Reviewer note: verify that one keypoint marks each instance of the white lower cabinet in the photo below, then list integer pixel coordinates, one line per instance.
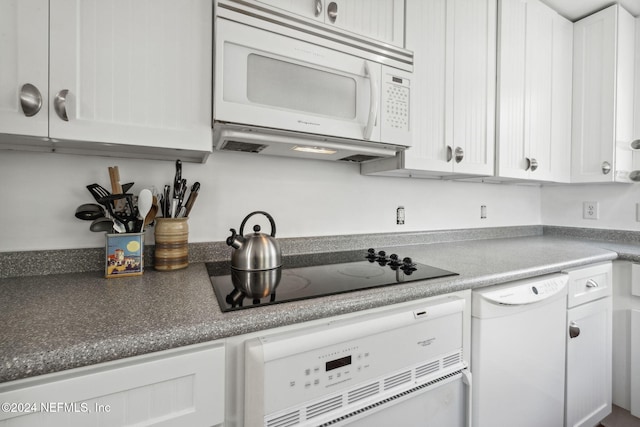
(178, 387)
(589, 346)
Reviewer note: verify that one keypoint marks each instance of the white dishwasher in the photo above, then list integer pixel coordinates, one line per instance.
(518, 353)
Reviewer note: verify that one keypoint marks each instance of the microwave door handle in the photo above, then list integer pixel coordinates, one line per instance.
(374, 102)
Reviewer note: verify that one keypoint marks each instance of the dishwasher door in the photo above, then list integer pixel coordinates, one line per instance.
(518, 353)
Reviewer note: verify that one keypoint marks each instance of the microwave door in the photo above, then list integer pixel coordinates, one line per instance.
(266, 79)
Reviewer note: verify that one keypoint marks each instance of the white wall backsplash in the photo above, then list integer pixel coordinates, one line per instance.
(562, 205)
(40, 192)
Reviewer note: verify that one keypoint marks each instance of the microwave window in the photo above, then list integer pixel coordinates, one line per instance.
(295, 87)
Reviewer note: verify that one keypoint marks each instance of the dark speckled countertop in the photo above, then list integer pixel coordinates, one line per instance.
(62, 321)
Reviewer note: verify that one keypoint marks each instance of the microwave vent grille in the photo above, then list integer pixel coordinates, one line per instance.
(245, 147)
(359, 158)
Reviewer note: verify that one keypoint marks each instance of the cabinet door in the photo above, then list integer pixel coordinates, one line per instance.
(132, 73)
(534, 136)
(594, 73)
(382, 20)
(512, 146)
(472, 46)
(180, 387)
(426, 25)
(24, 35)
(588, 388)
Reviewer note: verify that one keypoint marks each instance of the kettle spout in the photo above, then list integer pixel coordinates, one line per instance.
(235, 240)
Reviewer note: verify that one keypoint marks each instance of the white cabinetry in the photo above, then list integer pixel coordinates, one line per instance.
(603, 65)
(589, 346)
(124, 78)
(453, 109)
(177, 387)
(626, 336)
(382, 20)
(24, 72)
(534, 87)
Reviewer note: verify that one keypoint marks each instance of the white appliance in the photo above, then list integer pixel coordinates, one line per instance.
(508, 321)
(402, 364)
(284, 87)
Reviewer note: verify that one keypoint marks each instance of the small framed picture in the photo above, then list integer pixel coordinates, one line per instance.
(124, 255)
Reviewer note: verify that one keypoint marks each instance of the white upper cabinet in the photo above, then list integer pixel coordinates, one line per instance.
(24, 87)
(534, 87)
(382, 20)
(125, 77)
(603, 96)
(453, 109)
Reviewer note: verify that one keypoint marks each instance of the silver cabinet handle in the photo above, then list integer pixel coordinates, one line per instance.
(534, 165)
(459, 154)
(318, 8)
(449, 153)
(528, 160)
(574, 329)
(635, 145)
(592, 283)
(606, 168)
(59, 104)
(332, 11)
(30, 100)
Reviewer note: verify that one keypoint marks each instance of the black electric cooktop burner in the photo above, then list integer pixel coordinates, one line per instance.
(329, 275)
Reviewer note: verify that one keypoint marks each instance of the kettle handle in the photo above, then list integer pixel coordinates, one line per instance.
(271, 221)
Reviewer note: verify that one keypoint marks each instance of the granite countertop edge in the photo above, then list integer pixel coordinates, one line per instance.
(53, 356)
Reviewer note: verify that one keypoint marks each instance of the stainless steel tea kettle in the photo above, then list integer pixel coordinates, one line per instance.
(257, 251)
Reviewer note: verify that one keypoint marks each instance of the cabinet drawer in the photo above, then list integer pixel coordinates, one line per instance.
(589, 283)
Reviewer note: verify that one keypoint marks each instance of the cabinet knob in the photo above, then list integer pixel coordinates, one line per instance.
(318, 8)
(592, 283)
(60, 104)
(534, 165)
(574, 329)
(449, 153)
(30, 99)
(459, 154)
(606, 168)
(332, 11)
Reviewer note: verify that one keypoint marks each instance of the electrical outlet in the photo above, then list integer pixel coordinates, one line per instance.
(590, 210)
(483, 212)
(400, 215)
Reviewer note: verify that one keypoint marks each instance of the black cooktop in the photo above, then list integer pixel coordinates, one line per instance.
(328, 275)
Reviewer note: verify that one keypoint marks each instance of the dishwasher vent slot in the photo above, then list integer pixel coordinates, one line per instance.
(363, 392)
(286, 420)
(323, 407)
(427, 369)
(396, 380)
(451, 360)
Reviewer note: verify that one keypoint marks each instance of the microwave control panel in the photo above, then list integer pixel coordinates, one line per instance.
(396, 95)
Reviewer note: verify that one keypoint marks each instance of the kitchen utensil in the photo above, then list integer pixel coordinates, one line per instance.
(192, 198)
(126, 187)
(127, 216)
(89, 211)
(102, 224)
(255, 284)
(166, 202)
(116, 188)
(98, 192)
(257, 251)
(145, 201)
(153, 212)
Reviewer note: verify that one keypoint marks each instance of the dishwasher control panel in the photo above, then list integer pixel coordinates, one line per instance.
(526, 291)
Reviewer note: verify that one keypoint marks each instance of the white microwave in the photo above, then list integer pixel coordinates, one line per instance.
(284, 88)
